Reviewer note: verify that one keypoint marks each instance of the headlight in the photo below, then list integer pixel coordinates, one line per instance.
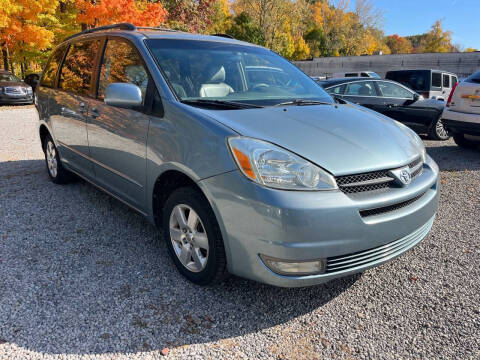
(29, 91)
(272, 166)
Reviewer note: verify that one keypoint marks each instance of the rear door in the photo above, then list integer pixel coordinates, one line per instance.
(69, 105)
(364, 93)
(118, 136)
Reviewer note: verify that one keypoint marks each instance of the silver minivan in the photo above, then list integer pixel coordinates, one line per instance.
(247, 165)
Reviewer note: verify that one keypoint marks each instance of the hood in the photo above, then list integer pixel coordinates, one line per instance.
(14, 83)
(343, 139)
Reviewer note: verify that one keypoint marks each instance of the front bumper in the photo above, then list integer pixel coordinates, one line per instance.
(16, 99)
(296, 225)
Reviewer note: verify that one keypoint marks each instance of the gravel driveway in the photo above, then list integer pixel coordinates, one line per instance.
(83, 276)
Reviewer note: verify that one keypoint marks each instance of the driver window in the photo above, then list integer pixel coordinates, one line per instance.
(392, 90)
(122, 64)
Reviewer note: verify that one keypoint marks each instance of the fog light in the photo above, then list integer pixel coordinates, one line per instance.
(294, 267)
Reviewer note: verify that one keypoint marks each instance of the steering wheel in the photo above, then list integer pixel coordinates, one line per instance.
(260, 86)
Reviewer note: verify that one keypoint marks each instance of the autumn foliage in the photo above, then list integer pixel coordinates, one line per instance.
(296, 29)
(116, 11)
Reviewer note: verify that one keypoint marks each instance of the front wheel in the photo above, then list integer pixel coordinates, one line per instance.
(193, 237)
(437, 131)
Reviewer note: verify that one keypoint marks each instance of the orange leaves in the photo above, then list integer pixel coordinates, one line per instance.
(106, 12)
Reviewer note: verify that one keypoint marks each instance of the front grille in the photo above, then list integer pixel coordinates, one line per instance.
(375, 180)
(389, 208)
(14, 90)
(373, 256)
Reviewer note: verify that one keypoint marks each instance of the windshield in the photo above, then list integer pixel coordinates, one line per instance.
(208, 70)
(8, 78)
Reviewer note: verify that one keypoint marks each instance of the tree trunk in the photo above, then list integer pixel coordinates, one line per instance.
(5, 59)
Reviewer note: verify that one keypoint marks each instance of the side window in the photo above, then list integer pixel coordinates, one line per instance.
(337, 90)
(454, 80)
(436, 80)
(446, 81)
(392, 90)
(351, 74)
(362, 88)
(50, 73)
(77, 69)
(122, 64)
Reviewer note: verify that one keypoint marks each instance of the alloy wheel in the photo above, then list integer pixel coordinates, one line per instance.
(440, 129)
(189, 238)
(51, 155)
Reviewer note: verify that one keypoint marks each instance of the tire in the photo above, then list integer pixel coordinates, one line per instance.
(437, 131)
(196, 247)
(465, 143)
(57, 173)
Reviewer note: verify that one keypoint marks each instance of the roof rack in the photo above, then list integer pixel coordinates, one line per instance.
(121, 26)
(156, 28)
(224, 36)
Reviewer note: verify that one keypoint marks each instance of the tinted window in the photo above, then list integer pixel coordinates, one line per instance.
(417, 80)
(475, 78)
(337, 90)
(122, 64)
(389, 89)
(351, 75)
(446, 80)
(454, 80)
(436, 79)
(50, 71)
(76, 73)
(363, 88)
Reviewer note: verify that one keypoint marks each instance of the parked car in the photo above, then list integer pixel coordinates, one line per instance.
(462, 113)
(275, 183)
(32, 80)
(369, 74)
(393, 100)
(431, 84)
(13, 90)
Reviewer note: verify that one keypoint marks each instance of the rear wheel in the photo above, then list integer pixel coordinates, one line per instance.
(437, 131)
(57, 173)
(193, 237)
(461, 141)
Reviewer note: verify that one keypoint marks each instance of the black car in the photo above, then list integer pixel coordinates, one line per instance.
(393, 100)
(13, 90)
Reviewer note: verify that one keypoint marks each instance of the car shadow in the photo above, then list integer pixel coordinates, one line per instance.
(451, 157)
(81, 273)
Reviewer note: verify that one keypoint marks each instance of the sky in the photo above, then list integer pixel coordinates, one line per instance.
(411, 17)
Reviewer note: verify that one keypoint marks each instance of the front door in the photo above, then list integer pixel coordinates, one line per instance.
(69, 105)
(118, 136)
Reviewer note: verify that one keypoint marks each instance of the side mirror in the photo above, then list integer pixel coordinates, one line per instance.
(123, 95)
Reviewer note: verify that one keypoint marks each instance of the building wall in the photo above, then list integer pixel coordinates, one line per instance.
(462, 64)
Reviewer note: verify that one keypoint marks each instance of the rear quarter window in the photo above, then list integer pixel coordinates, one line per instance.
(50, 72)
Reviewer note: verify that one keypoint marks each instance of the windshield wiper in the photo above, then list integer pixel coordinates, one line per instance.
(221, 104)
(303, 102)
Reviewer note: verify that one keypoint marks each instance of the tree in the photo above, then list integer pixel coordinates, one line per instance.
(23, 34)
(398, 44)
(436, 40)
(190, 15)
(469, 49)
(243, 28)
(104, 12)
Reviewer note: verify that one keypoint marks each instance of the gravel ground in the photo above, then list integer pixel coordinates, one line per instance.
(83, 276)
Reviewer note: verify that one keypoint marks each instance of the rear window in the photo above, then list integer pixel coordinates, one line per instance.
(76, 73)
(475, 78)
(436, 80)
(418, 80)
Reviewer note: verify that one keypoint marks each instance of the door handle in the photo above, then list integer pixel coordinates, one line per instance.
(392, 106)
(94, 113)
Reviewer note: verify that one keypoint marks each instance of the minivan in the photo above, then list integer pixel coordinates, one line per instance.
(431, 84)
(270, 180)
